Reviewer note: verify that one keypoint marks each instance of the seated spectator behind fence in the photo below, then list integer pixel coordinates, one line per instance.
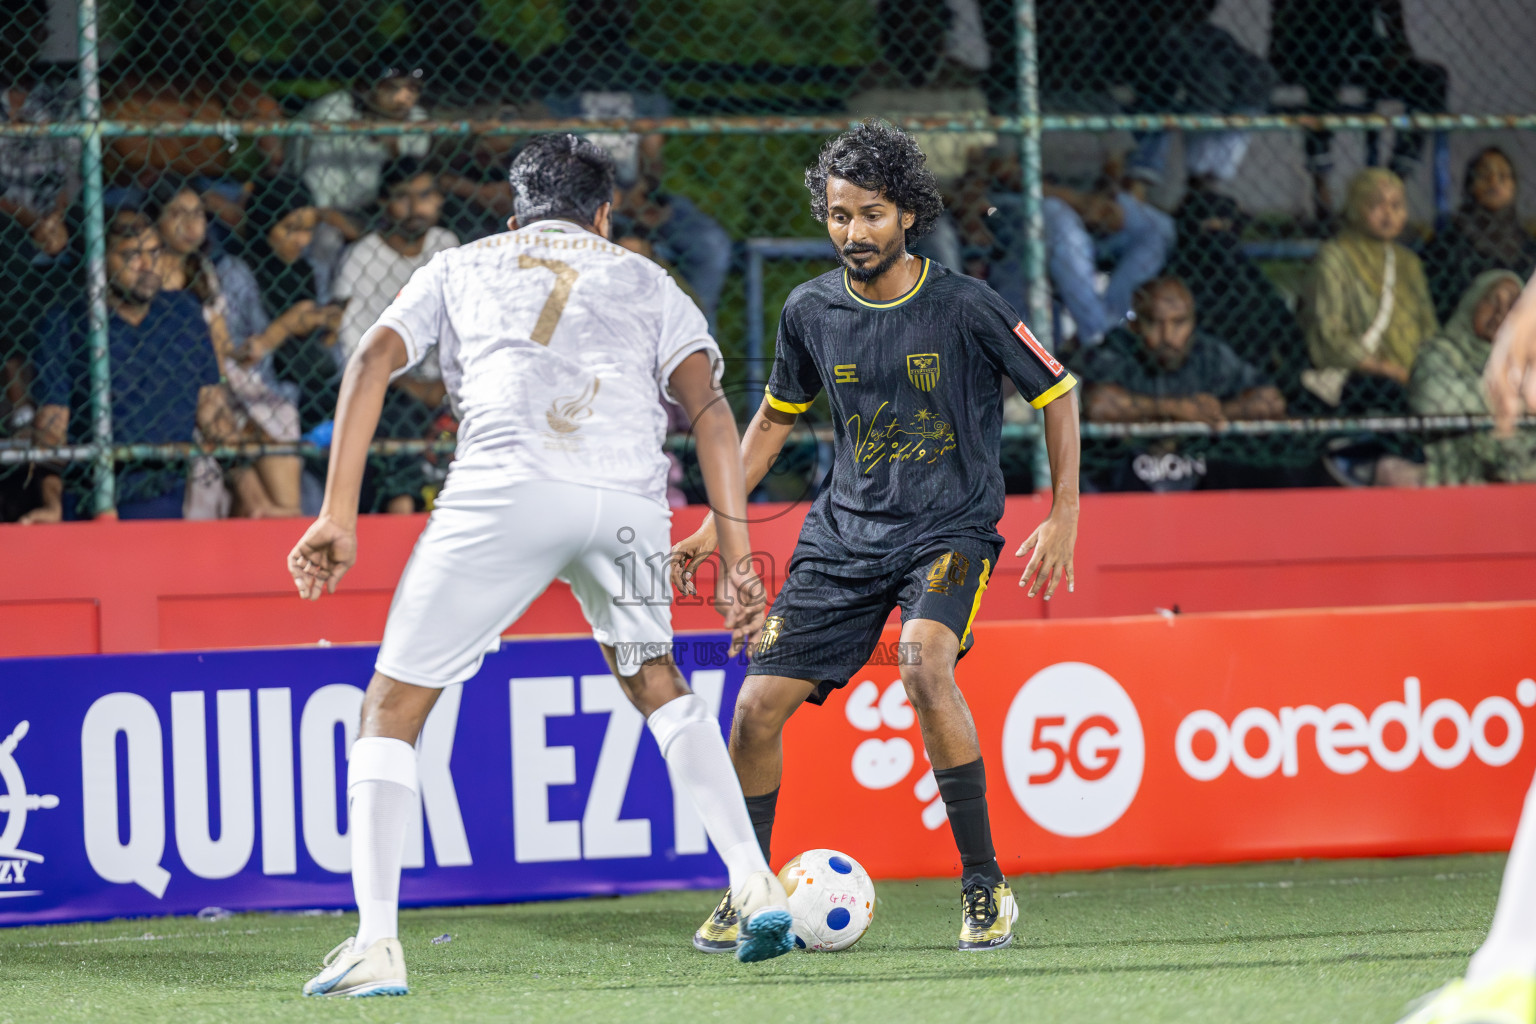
(1485, 234)
(1237, 300)
(1162, 367)
(596, 73)
(372, 273)
(261, 411)
(1082, 228)
(280, 320)
(1448, 381)
(165, 376)
(1194, 67)
(343, 171)
(1323, 45)
(39, 180)
(1365, 305)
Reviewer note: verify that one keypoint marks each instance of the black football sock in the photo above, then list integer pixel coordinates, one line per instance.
(964, 790)
(761, 810)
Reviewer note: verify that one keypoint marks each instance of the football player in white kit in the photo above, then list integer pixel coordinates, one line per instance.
(556, 346)
(1500, 984)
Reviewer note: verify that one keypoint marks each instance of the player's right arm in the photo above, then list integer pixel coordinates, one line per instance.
(329, 547)
(1510, 375)
(404, 334)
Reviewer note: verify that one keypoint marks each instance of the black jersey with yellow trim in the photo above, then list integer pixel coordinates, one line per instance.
(915, 387)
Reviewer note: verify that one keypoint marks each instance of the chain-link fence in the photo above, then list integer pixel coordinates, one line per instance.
(206, 203)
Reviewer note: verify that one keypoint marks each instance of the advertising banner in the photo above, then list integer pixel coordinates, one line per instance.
(167, 783)
(1199, 738)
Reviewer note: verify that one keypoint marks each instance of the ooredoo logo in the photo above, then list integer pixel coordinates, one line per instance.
(1258, 742)
(1073, 749)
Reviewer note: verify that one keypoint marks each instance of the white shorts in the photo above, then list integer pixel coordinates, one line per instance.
(486, 555)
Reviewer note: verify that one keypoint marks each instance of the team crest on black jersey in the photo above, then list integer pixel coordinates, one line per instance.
(923, 370)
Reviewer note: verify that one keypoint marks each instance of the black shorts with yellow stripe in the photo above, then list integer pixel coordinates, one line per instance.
(824, 627)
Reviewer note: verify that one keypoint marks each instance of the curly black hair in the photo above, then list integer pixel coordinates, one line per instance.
(882, 158)
(560, 176)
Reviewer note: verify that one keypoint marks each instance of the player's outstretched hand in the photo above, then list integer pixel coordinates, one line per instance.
(1052, 542)
(691, 552)
(743, 601)
(322, 557)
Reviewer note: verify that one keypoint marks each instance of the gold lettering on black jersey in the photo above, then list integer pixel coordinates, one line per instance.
(845, 373)
(923, 370)
(948, 570)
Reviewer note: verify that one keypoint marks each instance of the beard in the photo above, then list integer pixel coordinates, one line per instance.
(412, 229)
(141, 291)
(887, 259)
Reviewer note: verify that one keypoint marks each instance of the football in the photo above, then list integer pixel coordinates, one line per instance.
(831, 899)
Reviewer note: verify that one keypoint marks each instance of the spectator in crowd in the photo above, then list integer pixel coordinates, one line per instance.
(596, 73)
(469, 70)
(1485, 234)
(1366, 307)
(1195, 67)
(342, 172)
(372, 273)
(165, 376)
(279, 311)
(1163, 367)
(39, 180)
(261, 412)
(1236, 299)
(1323, 45)
(1448, 381)
(927, 69)
(1084, 228)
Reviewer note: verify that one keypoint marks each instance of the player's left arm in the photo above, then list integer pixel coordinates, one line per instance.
(1053, 540)
(329, 547)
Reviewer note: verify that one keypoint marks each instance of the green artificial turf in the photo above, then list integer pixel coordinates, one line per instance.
(1345, 941)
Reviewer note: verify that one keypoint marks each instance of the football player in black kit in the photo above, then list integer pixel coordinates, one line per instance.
(912, 357)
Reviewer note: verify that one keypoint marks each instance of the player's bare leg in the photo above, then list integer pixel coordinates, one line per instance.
(381, 794)
(949, 734)
(690, 742)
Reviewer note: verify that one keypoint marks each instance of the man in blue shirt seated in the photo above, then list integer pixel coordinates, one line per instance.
(165, 376)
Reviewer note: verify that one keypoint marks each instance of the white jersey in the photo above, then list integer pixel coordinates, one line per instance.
(556, 347)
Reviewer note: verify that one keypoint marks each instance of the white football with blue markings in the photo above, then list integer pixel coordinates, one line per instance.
(831, 898)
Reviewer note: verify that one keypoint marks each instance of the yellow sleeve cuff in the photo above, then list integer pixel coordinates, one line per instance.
(790, 407)
(1058, 389)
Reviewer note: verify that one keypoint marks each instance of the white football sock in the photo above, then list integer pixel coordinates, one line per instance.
(690, 741)
(381, 794)
(1511, 944)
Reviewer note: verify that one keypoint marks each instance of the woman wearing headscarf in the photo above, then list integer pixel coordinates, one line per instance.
(1485, 234)
(1448, 381)
(1365, 305)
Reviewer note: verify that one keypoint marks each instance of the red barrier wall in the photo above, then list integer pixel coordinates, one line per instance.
(88, 587)
(1202, 738)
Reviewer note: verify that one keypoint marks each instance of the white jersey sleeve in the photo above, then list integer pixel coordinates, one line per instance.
(419, 313)
(684, 331)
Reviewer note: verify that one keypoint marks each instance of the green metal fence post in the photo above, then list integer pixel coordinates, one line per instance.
(1034, 221)
(96, 258)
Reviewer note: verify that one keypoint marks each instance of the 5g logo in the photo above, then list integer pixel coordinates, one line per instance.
(1073, 749)
(1073, 752)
